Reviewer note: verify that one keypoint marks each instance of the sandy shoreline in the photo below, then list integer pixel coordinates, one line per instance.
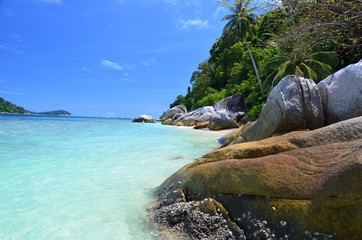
(219, 132)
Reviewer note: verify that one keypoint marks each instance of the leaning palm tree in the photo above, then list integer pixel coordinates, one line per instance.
(240, 21)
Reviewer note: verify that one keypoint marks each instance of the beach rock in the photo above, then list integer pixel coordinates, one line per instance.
(220, 120)
(231, 105)
(234, 136)
(199, 115)
(144, 119)
(303, 185)
(201, 125)
(167, 122)
(293, 104)
(341, 94)
(179, 124)
(239, 117)
(173, 111)
(198, 220)
(176, 116)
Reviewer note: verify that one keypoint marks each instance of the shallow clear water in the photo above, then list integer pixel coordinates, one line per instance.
(86, 178)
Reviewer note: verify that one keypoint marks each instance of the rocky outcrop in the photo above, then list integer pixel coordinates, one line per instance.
(293, 104)
(170, 113)
(199, 115)
(225, 114)
(232, 104)
(198, 220)
(220, 120)
(144, 119)
(265, 185)
(302, 185)
(298, 103)
(341, 93)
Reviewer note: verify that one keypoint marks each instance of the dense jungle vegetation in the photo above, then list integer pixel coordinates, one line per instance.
(262, 44)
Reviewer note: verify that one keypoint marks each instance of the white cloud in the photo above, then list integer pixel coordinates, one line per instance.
(220, 12)
(111, 64)
(59, 2)
(193, 3)
(188, 3)
(150, 62)
(196, 23)
(111, 114)
(130, 66)
(13, 50)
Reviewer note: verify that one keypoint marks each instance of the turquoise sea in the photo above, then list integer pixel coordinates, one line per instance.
(87, 178)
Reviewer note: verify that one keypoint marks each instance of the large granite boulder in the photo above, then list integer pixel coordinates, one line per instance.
(232, 104)
(341, 94)
(303, 185)
(144, 119)
(199, 115)
(179, 109)
(220, 120)
(293, 104)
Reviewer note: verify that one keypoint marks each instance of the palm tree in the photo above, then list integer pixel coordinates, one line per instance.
(240, 21)
(315, 66)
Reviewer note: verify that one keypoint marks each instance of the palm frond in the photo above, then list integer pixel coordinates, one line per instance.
(308, 71)
(228, 17)
(328, 57)
(283, 71)
(273, 64)
(298, 72)
(322, 69)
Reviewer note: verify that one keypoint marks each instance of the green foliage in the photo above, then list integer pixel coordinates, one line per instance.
(211, 98)
(254, 112)
(290, 39)
(242, 22)
(8, 107)
(179, 100)
(315, 66)
(241, 18)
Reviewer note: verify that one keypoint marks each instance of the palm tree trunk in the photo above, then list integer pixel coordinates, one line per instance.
(255, 68)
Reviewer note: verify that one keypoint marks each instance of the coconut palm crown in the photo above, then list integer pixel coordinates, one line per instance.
(240, 21)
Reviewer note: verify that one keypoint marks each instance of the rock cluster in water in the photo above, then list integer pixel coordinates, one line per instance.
(299, 185)
(144, 119)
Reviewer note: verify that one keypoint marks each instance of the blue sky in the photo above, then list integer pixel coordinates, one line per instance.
(111, 58)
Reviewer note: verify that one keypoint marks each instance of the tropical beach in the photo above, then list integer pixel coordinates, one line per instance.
(194, 119)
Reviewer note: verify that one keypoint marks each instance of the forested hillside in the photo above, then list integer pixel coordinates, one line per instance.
(8, 107)
(306, 38)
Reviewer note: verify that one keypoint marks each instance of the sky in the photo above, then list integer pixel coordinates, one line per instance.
(107, 58)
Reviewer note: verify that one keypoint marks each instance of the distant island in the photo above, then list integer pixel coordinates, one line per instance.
(7, 107)
(55, 113)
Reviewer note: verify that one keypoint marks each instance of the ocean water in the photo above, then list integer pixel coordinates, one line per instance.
(87, 178)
